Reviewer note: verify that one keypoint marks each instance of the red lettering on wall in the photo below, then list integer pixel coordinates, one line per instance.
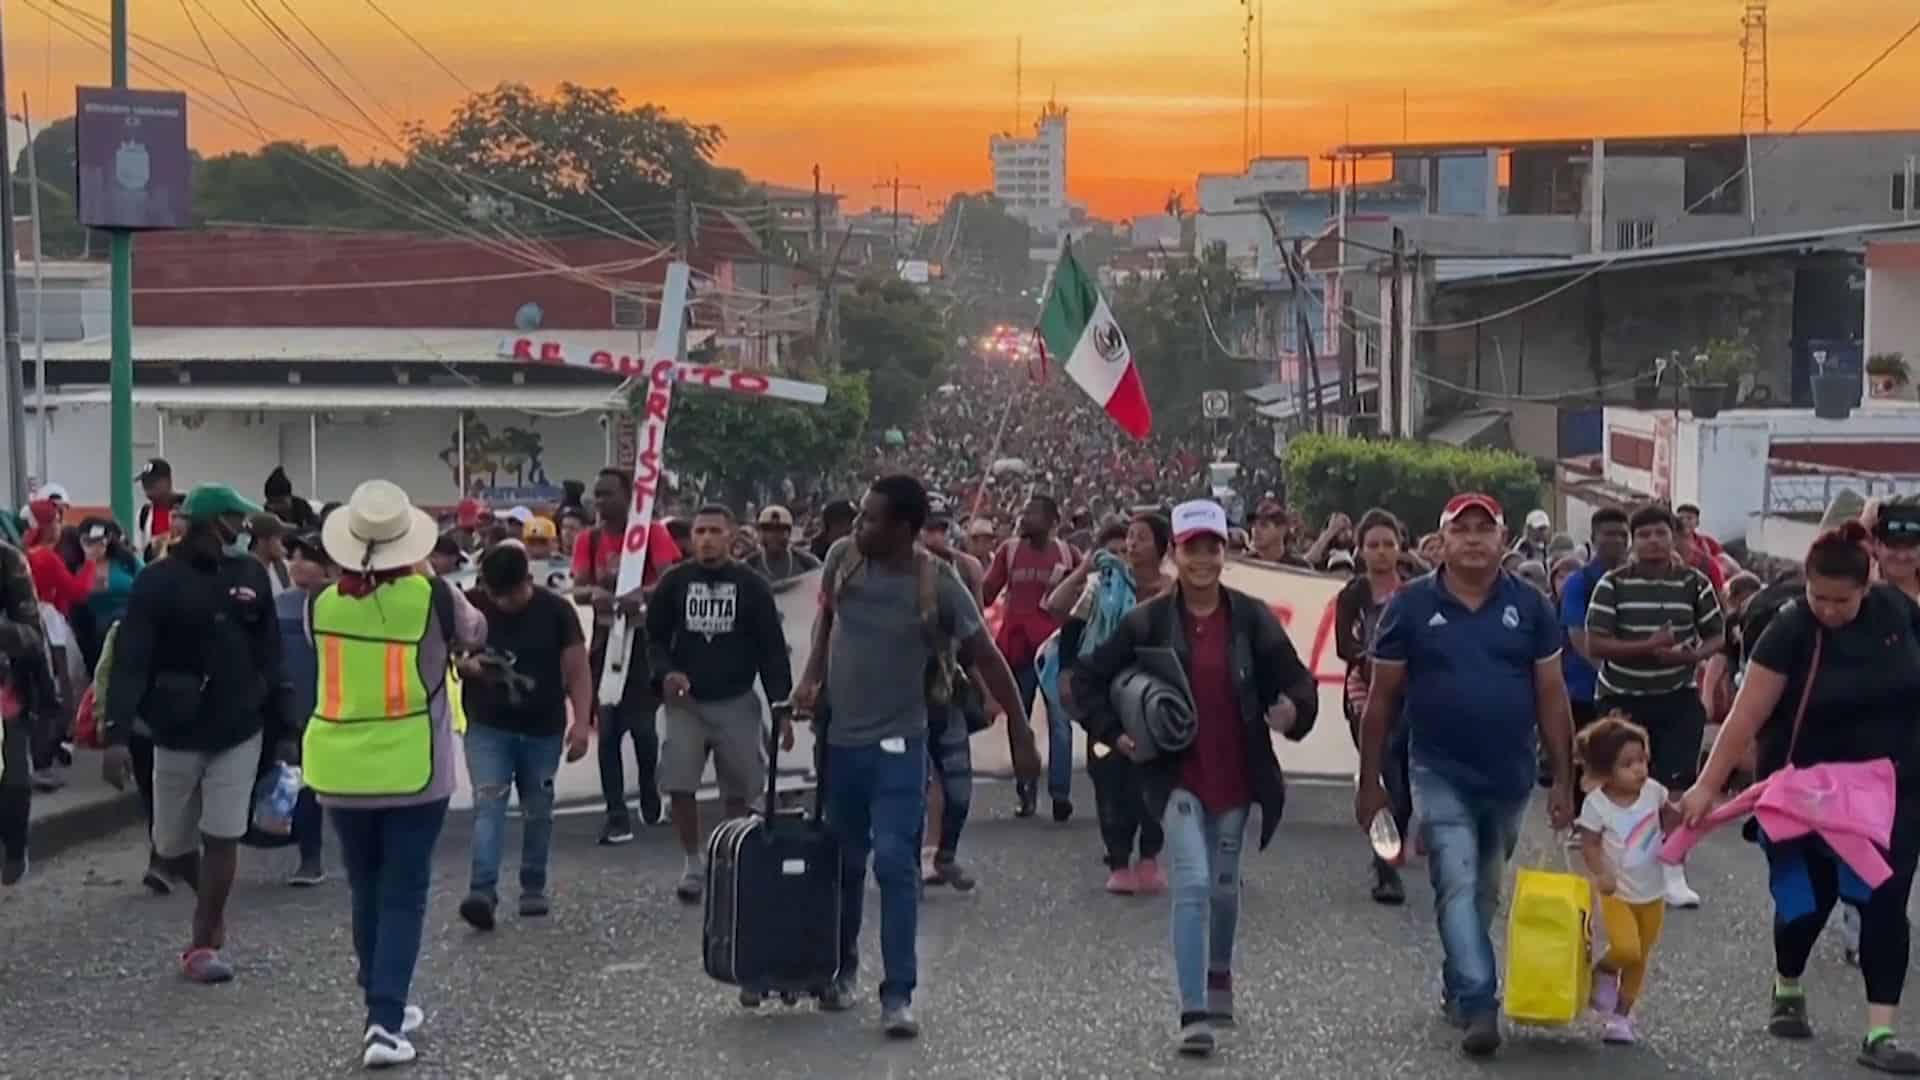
(523, 350)
(550, 353)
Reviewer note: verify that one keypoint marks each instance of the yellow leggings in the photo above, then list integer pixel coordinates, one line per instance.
(1632, 931)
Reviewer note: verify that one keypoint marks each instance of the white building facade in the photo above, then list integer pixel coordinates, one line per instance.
(1030, 173)
(1226, 219)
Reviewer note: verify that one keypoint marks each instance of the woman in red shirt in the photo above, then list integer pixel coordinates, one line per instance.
(57, 585)
(1245, 682)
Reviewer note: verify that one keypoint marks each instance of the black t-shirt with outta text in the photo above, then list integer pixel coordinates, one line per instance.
(535, 636)
(1866, 691)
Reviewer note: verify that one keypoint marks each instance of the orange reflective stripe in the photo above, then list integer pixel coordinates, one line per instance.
(330, 668)
(397, 704)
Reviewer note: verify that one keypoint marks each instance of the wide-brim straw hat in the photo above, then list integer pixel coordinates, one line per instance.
(378, 529)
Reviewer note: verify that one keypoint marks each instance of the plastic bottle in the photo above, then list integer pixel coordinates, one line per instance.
(1385, 836)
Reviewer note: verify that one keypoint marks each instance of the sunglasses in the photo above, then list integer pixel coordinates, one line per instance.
(1898, 530)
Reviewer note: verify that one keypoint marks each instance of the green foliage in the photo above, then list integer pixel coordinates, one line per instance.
(991, 246)
(1328, 473)
(61, 233)
(582, 141)
(286, 183)
(897, 338)
(1167, 331)
(750, 445)
(1724, 360)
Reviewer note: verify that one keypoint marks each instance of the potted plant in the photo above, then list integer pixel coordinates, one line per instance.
(1705, 393)
(1887, 375)
(1726, 362)
(1834, 388)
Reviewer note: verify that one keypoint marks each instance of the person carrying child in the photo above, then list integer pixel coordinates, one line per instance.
(1620, 828)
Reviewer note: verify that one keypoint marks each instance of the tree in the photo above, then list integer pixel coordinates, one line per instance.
(989, 245)
(61, 233)
(289, 183)
(897, 338)
(748, 446)
(1165, 320)
(581, 142)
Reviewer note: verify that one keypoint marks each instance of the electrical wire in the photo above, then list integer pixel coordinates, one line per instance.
(1506, 313)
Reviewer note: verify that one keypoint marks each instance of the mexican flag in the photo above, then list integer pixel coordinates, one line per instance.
(1076, 324)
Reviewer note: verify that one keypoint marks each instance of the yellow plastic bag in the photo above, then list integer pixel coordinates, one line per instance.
(453, 700)
(1549, 963)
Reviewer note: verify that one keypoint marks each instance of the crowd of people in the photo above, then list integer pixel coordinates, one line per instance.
(227, 641)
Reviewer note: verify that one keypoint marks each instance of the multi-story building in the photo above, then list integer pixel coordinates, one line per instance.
(1230, 215)
(1030, 173)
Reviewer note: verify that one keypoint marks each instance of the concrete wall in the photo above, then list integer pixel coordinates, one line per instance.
(1893, 313)
(1822, 180)
(74, 308)
(242, 448)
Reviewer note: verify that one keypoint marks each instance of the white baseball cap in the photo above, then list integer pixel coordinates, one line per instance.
(1201, 516)
(1539, 519)
(519, 515)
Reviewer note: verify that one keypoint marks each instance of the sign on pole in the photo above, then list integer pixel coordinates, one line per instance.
(135, 172)
(1215, 404)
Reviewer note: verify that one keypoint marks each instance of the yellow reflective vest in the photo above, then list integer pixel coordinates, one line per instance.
(372, 729)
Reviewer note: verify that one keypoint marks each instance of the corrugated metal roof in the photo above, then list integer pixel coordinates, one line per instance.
(174, 344)
(1666, 254)
(287, 398)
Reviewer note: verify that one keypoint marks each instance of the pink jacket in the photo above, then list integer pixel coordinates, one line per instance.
(1849, 805)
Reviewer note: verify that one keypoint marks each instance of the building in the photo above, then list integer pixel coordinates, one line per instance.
(1230, 212)
(798, 215)
(340, 356)
(1893, 303)
(1763, 476)
(1030, 174)
(1155, 232)
(1588, 195)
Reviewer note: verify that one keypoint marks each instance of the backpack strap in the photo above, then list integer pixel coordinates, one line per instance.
(927, 596)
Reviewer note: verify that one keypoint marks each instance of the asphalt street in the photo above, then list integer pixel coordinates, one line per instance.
(1038, 973)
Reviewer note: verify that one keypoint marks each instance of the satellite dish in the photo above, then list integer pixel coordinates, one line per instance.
(529, 317)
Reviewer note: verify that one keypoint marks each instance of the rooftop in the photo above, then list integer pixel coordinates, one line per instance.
(1493, 271)
(1476, 146)
(178, 344)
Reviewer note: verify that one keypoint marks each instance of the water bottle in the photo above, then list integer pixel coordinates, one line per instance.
(1385, 836)
(274, 800)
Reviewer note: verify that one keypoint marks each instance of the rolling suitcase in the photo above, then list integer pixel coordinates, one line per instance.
(772, 920)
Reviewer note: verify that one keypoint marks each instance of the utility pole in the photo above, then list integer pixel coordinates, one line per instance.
(120, 463)
(44, 464)
(819, 215)
(16, 447)
(1397, 364)
(895, 186)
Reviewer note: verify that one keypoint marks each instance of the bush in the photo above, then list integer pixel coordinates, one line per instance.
(1328, 473)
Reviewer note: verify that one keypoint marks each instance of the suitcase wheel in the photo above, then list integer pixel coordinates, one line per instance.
(751, 999)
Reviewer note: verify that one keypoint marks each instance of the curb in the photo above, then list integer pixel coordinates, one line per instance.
(71, 826)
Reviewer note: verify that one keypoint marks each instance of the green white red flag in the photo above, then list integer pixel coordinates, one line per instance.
(1077, 326)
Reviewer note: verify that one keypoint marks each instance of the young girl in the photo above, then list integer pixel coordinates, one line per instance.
(1621, 827)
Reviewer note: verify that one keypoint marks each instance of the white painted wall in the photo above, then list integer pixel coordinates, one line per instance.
(1893, 313)
(1780, 537)
(242, 448)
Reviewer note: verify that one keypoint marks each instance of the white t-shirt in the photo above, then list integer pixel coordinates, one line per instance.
(1631, 837)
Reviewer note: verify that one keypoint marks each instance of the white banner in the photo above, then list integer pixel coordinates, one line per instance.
(557, 352)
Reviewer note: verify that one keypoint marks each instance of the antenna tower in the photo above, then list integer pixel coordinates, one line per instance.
(1755, 114)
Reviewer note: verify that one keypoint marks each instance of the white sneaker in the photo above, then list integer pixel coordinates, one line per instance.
(1679, 893)
(411, 1019)
(385, 1049)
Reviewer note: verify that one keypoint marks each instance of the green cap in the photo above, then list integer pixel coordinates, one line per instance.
(212, 500)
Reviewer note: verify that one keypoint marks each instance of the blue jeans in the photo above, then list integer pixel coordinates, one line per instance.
(1059, 735)
(1203, 864)
(309, 830)
(1469, 840)
(877, 801)
(498, 762)
(389, 857)
(951, 754)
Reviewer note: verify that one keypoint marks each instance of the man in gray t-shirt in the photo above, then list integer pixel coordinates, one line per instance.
(870, 648)
(878, 644)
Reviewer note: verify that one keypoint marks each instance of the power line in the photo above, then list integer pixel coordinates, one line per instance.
(1468, 324)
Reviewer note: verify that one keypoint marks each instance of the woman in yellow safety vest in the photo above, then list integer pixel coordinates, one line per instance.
(379, 750)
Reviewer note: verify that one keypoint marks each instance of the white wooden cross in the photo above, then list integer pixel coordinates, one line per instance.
(663, 365)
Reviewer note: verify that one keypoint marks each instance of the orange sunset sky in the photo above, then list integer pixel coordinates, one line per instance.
(1154, 85)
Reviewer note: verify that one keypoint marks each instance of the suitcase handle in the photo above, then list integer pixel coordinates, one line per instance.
(818, 719)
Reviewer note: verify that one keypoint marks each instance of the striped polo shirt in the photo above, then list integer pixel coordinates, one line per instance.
(1631, 603)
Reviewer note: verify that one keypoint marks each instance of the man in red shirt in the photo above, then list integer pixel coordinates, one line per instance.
(596, 574)
(1027, 569)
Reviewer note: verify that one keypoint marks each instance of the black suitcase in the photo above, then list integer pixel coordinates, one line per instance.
(772, 921)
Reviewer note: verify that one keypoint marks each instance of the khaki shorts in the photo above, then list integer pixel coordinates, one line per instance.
(196, 794)
(733, 731)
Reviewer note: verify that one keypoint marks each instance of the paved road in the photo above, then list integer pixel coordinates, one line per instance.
(1037, 974)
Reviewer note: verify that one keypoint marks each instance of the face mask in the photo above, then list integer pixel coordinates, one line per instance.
(234, 543)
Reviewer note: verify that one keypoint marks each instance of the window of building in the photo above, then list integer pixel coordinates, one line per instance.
(629, 312)
(1633, 234)
(1902, 199)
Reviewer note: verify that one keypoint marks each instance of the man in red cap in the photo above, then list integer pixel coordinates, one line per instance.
(468, 518)
(1473, 653)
